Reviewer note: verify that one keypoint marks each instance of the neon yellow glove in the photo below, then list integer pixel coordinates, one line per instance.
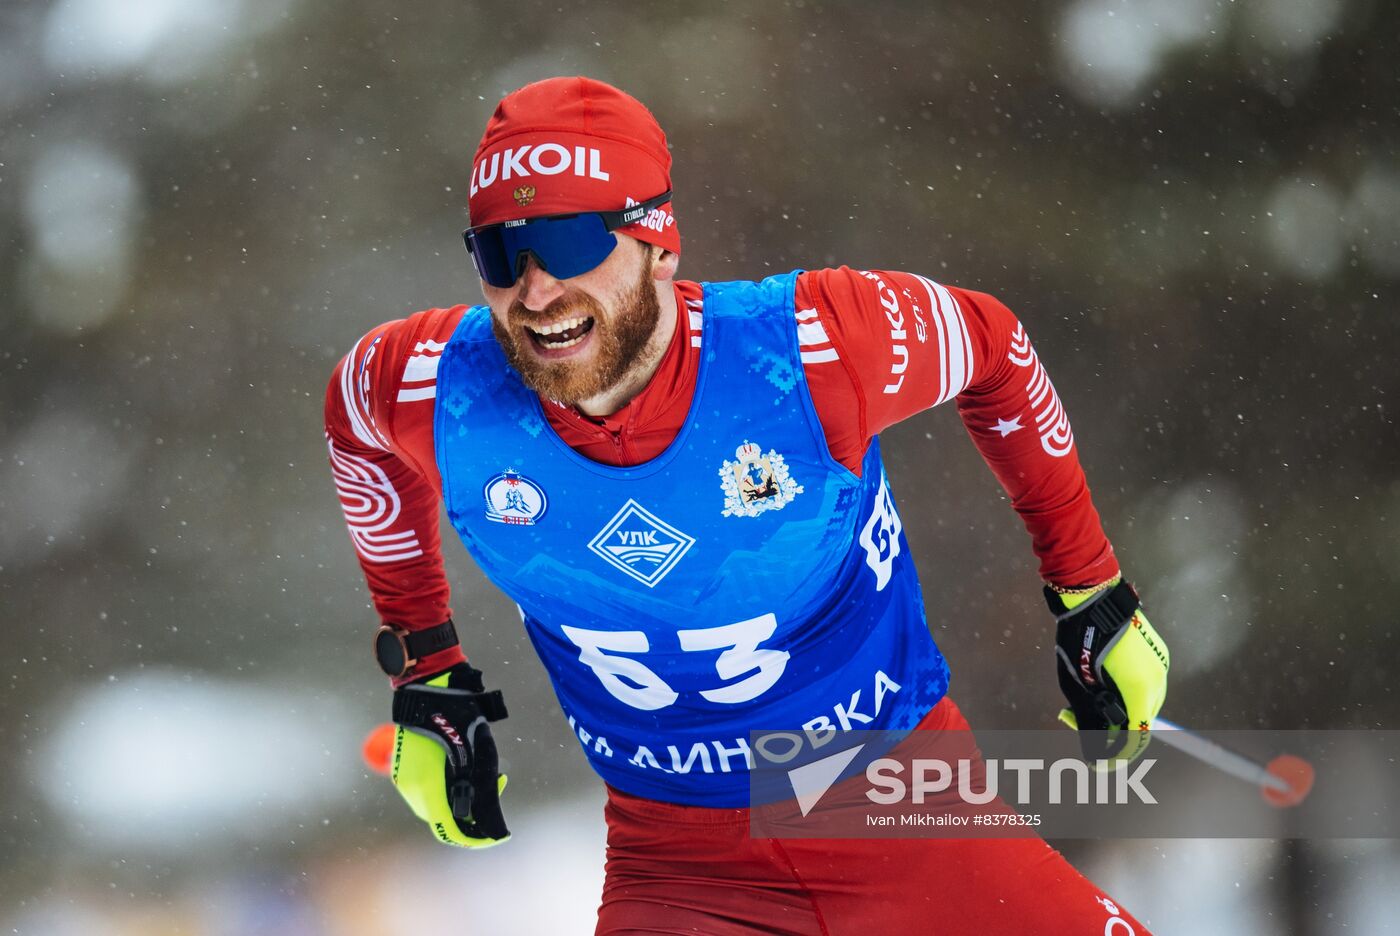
(445, 763)
(1112, 667)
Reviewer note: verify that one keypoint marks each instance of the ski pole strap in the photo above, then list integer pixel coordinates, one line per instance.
(415, 705)
(1107, 611)
(1085, 633)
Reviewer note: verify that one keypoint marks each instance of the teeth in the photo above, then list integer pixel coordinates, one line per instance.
(558, 327)
(568, 344)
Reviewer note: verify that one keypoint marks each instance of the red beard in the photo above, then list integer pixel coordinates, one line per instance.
(618, 341)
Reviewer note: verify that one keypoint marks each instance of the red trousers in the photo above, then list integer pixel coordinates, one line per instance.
(687, 869)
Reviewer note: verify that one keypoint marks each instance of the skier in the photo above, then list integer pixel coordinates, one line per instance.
(680, 485)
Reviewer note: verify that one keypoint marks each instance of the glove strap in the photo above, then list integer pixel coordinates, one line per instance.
(416, 704)
(1109, 610)
(1084, 635)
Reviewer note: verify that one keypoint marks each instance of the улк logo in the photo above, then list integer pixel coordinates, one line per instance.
(641, 544)
(756, 482)
(513, 498)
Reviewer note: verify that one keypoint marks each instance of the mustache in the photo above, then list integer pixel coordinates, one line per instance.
(563, 307)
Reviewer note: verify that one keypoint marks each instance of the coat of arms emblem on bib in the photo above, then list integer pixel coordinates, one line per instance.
(756, 482)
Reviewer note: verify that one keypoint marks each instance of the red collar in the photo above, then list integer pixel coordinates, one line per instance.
(665, 398)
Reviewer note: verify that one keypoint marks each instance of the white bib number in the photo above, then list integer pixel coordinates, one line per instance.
(641, 687)
(650, 690)
(742, 640)
(880, 536)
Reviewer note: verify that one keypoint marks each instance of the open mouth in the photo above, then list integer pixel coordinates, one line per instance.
(560, 335)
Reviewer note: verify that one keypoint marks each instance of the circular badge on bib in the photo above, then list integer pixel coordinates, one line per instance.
(515, 499)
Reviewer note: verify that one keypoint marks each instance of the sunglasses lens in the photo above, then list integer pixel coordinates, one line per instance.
(488, 254)
(564, 247)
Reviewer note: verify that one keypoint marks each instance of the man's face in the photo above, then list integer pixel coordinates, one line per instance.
(574, 339)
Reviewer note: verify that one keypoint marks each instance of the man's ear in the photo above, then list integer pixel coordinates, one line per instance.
(663, 263)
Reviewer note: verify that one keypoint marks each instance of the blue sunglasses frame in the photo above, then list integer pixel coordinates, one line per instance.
(564, 245)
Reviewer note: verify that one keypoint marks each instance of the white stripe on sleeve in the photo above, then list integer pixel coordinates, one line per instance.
(955, 344)
(371, 507)
(356, 403)
(412, 394)
(421, 367)
(811, 334)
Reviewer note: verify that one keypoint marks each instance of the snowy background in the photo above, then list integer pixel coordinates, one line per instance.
(1194, 206)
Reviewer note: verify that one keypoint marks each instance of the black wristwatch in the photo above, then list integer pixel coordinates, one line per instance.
(397, 650)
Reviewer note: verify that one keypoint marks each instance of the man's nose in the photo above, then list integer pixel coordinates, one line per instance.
(537, 288)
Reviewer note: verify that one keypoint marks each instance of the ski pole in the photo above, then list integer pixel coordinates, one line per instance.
(1283, 781)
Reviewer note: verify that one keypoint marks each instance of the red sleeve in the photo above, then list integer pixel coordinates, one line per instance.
(379, 426)
(878, 347)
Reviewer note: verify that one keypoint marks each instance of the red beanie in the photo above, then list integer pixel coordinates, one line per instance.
(572, 144)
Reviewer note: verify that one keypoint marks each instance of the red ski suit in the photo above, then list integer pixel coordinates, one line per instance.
(877, 347)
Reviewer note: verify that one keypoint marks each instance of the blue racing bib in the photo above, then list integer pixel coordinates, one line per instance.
(741, 580)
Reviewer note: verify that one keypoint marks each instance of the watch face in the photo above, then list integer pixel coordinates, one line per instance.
(388, 651)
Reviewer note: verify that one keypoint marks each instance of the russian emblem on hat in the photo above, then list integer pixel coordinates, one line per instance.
(756, 482)
(524, 195)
